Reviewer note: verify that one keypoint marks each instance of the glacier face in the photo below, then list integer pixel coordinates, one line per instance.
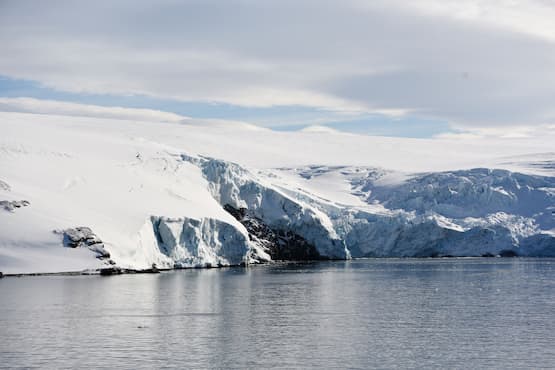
(461, 213)
(206, 242)
(468, 193)
(150, 203)
(230, 184)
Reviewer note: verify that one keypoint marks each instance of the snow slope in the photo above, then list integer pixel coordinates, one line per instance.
(155, 193)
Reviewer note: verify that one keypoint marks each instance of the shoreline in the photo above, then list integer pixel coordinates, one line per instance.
(113, 271)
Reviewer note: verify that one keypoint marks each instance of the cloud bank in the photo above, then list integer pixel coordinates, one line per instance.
(41, 106)
(475, 64)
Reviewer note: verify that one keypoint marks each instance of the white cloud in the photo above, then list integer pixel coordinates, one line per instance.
(30, 105)
(319, 129)
(546, 132)
(61, 108)
(533, 17)
(477, 63)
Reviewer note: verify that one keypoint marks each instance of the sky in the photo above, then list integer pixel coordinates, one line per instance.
(424, 68)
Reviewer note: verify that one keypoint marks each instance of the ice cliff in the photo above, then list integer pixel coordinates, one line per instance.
(455, 213)
(136, 194)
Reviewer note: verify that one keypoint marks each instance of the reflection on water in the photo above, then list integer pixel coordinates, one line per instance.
(366, 313)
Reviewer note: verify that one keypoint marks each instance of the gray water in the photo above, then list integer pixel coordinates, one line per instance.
(448, 313)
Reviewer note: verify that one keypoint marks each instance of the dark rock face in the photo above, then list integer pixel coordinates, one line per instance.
(12, 205)
(153, 270)
(107, 271)
(280, 244)
(508, 253)
(83, 237)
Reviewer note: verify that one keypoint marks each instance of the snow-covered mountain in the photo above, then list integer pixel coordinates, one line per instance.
(82, 193)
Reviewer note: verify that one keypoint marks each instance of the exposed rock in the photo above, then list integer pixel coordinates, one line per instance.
(1, 275)
(488, 255)
(279, 244)
(107, 271)
(115, 270)
(84, 237)
(153, 270)
(508, 253)
(11, 205)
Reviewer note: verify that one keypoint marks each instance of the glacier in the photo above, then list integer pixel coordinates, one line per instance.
(86, 193)
(462, 213)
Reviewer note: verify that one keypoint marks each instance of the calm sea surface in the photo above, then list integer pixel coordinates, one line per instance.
(447, 313)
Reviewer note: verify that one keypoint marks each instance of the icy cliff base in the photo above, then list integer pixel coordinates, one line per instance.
(82, 193)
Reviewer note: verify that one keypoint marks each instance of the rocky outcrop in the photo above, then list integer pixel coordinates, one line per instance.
(108, 271)
(280, 244)
(83, 237)
(12, 205)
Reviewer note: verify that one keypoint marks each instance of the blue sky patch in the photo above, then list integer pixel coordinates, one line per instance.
(282, 118)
